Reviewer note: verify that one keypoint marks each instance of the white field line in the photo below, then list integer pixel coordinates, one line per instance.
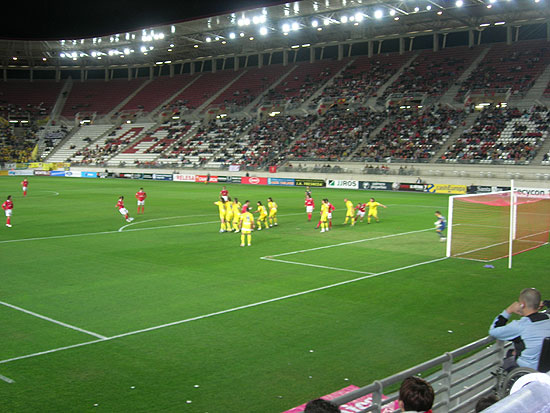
(162, 219)
(85, 234)
(51, 320)
(315, 265)
(346, 243)
(217, 313)
(6, 379)
(500, 243)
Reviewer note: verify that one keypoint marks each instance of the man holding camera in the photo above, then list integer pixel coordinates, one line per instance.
(527, 333)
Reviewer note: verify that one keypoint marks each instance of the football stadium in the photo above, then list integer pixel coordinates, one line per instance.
(251, 208)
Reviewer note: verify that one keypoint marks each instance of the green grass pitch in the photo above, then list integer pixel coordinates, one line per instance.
(167, 314)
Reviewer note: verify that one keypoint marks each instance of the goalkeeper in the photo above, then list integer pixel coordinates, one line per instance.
(440, 226)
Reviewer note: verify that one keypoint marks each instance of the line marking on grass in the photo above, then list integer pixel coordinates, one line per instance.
(6, 379)
(315, 265)
(348, 243)
(51, 320)
(221, 312)
(85, 234)
(162, 219)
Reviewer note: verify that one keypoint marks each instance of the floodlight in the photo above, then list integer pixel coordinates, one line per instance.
(295, 26)
(459, 3)
(326, 22)
(344, 19)
(286, 27)
(392, 12)
(61, 54)
(241, 34)
(208, 39)
(232, 35)
(378, 14)
(428, 7)
(126, 51)
(314, 23)
(416, 9)
(251, 38)
(263, 31)
(359, 17)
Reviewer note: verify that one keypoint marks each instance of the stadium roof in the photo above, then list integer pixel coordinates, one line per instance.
(272, 28)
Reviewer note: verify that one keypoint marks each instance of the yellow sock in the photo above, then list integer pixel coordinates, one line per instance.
(222, 226)
(242, 239)
(249, 237)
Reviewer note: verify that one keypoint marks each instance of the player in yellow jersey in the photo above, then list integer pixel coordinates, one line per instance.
(228, 214)
(272, 205)
(350, 211)
(373, 209)
(263, 216)
(221, 207)
(236, 213)
(324, 215)
(246, 225)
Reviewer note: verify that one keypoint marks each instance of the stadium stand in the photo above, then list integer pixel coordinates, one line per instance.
(16, 147)
(269, 141)
(304, 81)
(205, 87)
(206, 146)
(98, 95)
(250, 86)
(49, 137)
(156, 92)
(339, 132)
(433, 73)
(26, 98)
(514, 67)
(501, 136)
(362, 78)
(413, 135)
(80, 138)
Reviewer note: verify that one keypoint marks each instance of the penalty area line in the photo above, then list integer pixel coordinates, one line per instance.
(6, 379)
(51, 320)
(221, 312)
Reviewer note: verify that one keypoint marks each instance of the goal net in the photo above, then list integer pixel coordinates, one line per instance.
(490, 226)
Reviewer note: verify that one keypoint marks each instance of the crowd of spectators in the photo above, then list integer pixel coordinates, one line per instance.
(501, 135)
(16, 147)
(339, 132)
(362, 78)
(514, 67)
(206, 142)
(267, 142)
(432, 73)
(413, 134)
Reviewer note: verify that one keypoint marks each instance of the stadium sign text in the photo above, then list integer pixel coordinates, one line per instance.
(446, 189)
(349, 184)
(532, 191)
(184, 178)
(281, 181)
(253, 180)
(375, 186)
(309, 182)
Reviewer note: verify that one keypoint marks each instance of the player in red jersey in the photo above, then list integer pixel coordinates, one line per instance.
(310, 206)
(140, 196)
(224, 193)
(7, 206)
(246, 206)
(25, 185)
(123, 211)
(360, 214)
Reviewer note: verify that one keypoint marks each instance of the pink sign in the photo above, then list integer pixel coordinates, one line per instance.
(355, 405)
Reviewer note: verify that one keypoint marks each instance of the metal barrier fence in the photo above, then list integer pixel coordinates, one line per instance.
(458, 384)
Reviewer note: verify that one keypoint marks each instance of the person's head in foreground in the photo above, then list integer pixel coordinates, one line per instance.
(321, 406)
(416, 395)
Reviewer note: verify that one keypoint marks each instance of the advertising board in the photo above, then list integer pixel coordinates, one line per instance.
(253, 180)
(342, 183)
(375, 186)
(280, 181)
(446, 189)
(310, 182)
(184, 178)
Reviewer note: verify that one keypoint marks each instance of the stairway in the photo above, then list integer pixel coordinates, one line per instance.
(127, 99)
(375, 132)
(158, 109)
(372, 100)
(249, 108)
(544, 149)
(535, 93)
(319, 91)
(469, 121)
(211, 99)
(448, 97)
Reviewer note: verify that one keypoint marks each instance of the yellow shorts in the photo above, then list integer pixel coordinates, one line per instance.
(373, 214)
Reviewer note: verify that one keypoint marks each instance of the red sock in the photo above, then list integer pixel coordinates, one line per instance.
(309, 217)
(330, 224)
(126, 216)
(318, 224)
(8, 221)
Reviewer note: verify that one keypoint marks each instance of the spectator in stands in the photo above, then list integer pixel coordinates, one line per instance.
(321, 406)
(416, 395)
(527, 333)
(485, 402)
